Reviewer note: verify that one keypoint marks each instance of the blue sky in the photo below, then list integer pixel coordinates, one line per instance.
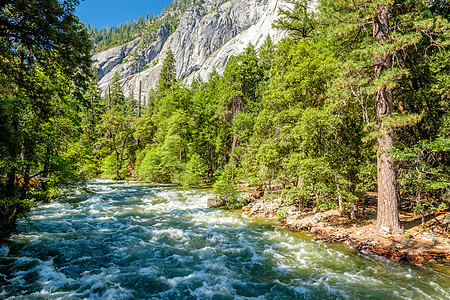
(101, 13)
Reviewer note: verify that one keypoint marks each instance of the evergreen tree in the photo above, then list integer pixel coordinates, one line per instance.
(91, 116)
(266, 55)
(166, 80)
(301, 22)
(241, 93)
(116, 97)
(117, 142)
(207, 141)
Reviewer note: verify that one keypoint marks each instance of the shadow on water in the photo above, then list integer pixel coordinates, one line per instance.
(129, 240)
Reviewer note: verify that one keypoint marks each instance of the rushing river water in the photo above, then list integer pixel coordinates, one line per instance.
(131, 241)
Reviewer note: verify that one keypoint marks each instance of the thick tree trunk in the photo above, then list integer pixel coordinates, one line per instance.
(352, 212)
(233, 146)
(387, 215)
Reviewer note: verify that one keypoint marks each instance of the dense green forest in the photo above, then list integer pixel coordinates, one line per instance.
(44, 64)
(356, 99)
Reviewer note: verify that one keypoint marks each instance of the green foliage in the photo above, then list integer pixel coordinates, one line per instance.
(225, 190)
(302, 135)
(301, 21)
(12, 208)
(300, 114)
(166, 81)
(108, 166)
(116, 134)
(152, 166)
(44, 68)
(422, 172)
(195, 173)
(281, 215)
(226, 193)
(292, 195)
(115, 94)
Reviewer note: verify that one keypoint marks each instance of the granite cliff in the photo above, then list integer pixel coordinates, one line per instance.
(206, 36)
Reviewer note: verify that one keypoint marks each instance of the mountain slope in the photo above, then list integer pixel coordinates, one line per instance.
(206, 36)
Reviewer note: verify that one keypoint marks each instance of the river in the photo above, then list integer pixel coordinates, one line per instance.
(127, 240)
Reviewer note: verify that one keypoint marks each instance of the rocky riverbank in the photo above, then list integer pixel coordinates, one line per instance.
(418, 245)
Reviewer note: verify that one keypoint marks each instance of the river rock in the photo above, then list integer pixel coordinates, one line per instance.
(317, 218)
(420, 259)
(430, 238)
(213, 202)
(446, 221)
(385, 230)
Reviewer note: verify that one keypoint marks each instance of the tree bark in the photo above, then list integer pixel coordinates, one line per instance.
(352, 211)
(235, 109)
(26, 182)
(139, 101)
(299, 185)
(422, 208)
(233, 146)
(339, 193)
(387, 215)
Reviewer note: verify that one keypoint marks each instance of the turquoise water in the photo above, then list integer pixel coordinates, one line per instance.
(131, 241)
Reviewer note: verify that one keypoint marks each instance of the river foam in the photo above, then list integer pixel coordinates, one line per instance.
(126, 240)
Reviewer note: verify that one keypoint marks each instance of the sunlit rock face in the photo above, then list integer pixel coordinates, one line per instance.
(205, 38)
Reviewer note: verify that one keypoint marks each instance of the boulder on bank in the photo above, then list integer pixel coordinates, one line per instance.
(263, 208)
(213, 202)
(447, 222)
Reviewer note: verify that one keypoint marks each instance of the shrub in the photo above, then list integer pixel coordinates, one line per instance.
(282, 215)
(225, 191)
